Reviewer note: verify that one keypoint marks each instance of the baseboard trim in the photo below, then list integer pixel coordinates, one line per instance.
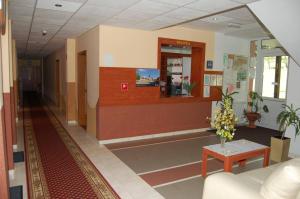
(11, 174)
(144, 137)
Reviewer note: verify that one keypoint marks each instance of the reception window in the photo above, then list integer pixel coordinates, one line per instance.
(181, 63)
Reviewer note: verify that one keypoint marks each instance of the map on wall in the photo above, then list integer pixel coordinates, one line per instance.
(236, 76)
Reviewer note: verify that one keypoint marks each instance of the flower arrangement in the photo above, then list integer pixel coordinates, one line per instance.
(225, 118)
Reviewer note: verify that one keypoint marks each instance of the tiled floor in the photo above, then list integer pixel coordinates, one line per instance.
(173, 165)
(19, 177)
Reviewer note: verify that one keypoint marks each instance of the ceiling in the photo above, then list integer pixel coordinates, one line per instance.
(31, 17)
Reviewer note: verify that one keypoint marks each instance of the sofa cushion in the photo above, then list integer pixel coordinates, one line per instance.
(284, 182)
(259, 175)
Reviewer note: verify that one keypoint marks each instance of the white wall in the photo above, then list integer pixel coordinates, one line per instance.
(230, 45)
(284, 25)
(293, 97)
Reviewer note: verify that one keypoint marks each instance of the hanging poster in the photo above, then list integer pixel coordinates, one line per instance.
(213, 80)
(206, 80)
(206, 91)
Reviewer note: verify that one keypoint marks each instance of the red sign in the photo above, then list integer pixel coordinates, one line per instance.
(124, 86)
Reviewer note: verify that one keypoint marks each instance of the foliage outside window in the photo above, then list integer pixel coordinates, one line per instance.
(275, 76)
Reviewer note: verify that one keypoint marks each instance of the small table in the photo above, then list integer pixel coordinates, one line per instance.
(235, 151)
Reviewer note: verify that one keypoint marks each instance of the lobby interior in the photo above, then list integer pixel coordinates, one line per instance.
(118, 99)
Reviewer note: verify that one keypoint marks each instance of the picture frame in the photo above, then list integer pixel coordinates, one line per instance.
(147, 77)
(206, 79)
(213, 80)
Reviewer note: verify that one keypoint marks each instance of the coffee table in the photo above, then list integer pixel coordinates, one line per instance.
(235, 151)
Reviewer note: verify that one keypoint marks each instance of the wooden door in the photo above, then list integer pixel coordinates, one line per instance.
(57, 83)
(82, 89)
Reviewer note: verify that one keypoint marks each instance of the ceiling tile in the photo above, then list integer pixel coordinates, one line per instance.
(202, 25)
(242, 13)
(175, 2)
(49, 21)
(39, 27)
(66, 5)
(26, 19)
(216, 19)
(113, 3)
(186, 13)
(245, 1)
(52, 14)
(20, 11)
(213, 5)
(23, 3)
(147, 6)
(87, 10)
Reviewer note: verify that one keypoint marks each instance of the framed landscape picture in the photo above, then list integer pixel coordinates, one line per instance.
(147, 77)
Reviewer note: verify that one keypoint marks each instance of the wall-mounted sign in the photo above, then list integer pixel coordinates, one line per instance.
(209, 64)
(124, 86)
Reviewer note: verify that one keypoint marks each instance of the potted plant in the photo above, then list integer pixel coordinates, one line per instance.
(186, 85)
(255, 103)
(280, 144)
(225, 118)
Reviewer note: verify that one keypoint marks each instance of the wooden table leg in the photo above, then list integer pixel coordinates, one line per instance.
(242, 163)
(204, 162)
(266, 157)
(227, 165)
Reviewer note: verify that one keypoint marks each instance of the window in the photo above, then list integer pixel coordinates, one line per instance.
(275, 76)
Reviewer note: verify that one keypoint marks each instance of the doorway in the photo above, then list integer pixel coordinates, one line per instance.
(82, 89)
(57, 83)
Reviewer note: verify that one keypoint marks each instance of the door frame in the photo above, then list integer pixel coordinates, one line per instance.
(57, 82)
(82, 88)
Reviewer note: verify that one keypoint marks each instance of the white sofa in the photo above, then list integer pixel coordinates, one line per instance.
(245, 185)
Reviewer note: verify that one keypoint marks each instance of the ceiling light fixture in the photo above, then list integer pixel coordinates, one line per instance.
(215, 18)
(58, 5)
(44, 32)
(234, 25)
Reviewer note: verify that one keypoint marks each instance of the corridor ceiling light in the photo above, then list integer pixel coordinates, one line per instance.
(44, 32)
(58, 5)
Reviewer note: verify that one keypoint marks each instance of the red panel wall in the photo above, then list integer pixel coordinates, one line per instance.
(140, 110)
(136, 120)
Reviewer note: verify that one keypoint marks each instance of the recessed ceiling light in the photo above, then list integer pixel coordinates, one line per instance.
(58, 5)
(215, 18)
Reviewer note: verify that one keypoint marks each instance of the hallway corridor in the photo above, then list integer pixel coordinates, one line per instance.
(56, 166)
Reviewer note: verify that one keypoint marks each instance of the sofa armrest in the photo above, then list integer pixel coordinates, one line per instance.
(227, 185)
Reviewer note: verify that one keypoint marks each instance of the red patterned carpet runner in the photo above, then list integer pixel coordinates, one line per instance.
(56, 166)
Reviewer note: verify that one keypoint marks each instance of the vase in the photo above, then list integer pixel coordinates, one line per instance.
(223, 140)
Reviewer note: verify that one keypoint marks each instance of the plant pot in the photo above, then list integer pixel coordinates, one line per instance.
(279, 148)
(252, 118)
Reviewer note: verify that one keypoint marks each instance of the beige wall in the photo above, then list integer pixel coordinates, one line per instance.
(89, 42)
(5, 60)
(122, 47)
(49, 74)
(71, 60)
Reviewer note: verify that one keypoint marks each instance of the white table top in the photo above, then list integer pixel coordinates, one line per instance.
(235, 147)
